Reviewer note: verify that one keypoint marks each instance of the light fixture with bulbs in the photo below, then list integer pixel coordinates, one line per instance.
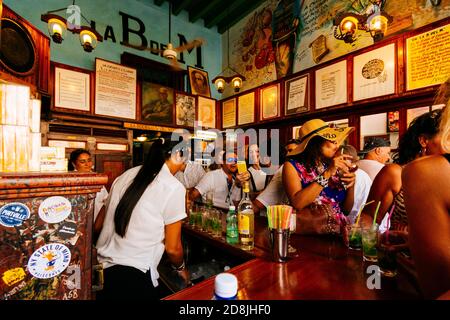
(58, 26)
(347, 24)
(228, 74)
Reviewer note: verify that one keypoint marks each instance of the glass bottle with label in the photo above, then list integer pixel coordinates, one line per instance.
(246, 220)
(232, 226)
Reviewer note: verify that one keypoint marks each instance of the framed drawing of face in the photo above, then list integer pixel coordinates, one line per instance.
(185, 109)
(157, 103)
(198, 79)
(206, 112)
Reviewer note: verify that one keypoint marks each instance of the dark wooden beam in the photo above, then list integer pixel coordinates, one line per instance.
(238, 15)
(217, 17)
(180, 6)
(194, 15)
(158, 2)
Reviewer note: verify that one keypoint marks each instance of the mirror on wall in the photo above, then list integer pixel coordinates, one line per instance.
(379, 125)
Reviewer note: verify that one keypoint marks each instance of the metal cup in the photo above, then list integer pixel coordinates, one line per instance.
(279, 241)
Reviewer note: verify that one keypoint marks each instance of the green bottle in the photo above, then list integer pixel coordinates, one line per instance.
(232, 226)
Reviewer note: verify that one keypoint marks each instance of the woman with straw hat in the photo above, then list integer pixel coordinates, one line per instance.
(316, 174)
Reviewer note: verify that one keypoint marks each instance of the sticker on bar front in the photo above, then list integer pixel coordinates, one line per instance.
(49, 260)
(55, 209)
(13, 214)
(13, 276)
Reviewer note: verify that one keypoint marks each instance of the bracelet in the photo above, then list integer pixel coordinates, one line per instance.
(320, 179)
(179, 268)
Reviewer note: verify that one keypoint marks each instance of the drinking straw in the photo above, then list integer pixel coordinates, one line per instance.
(269, 217)
(376, 213)
(359, 216)
(388, 222)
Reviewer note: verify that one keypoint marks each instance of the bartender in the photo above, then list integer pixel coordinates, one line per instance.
(224, 183)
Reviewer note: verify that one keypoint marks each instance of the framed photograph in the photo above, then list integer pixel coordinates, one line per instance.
(331, 85)
(297, 95)
(229, 113)
(199, 82)
(206, 112)
(393, 119)
(427, 58)
(109, 101)
(72, 89)
(246, 108)
(270, 102)
(184, 109)
(157, 103)
(374, 73)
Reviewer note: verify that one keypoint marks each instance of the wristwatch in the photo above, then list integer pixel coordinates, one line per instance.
(179, 268)
(320, 179)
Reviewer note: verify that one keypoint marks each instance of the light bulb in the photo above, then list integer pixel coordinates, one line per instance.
(57, 29)
(87, 38)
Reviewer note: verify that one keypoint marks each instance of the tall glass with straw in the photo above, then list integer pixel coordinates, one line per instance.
(369, 238)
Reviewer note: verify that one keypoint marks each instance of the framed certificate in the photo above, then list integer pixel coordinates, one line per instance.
(229, 113)
(206, 113)
(331, 85)
(270, 102)
(374, 73)
(246, 108)
(72, 89)
(297, 95)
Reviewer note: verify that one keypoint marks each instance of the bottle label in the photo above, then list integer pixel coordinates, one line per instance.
(244, 224)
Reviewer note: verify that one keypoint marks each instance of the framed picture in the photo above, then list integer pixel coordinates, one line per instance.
(206, 112)
(270, 102)
(296, 95)
(109, 101)
(331, 85)
(374, 73)
(157, 103)
(393, 119)
(413, 113)
(229, 113)
(426, 61)
(72, 88)
(199, 82)
(184, 109)
(246, 108)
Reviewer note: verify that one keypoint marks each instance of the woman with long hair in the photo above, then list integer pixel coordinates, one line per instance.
(315, 173)
(421, 139)
(426, 183)
(143, 219)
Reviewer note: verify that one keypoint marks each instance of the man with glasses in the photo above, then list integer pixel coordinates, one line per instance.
(223, 182)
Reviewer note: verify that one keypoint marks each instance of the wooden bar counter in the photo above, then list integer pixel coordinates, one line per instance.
(321, 268)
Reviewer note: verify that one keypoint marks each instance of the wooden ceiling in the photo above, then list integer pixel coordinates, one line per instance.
(220, 13)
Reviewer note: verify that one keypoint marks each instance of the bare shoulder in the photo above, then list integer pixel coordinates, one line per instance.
(431, 167)
(390, 174)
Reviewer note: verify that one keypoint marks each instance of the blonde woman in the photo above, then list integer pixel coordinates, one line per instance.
(426, 183)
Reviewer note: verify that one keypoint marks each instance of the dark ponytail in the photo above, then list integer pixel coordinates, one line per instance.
(159, 152)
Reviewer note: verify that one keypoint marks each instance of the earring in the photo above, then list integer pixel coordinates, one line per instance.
(423, 151)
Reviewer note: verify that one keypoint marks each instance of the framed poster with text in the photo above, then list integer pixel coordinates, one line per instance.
(270, 102)
(374, 73)
(115, 90)
(331, 85)
(206, 113)
(297, 95)
(246, 108)
(229, 113)
(72, 89)
(428, 58)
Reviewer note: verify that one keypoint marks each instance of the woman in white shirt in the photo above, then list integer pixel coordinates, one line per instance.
(143, 219)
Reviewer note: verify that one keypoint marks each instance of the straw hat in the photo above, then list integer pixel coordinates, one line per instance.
(317, 127)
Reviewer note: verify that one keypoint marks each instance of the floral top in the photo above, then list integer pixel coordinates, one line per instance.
(334, 194)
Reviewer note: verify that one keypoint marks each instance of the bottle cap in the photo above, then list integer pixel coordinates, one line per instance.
(232, 208)
(225, 285)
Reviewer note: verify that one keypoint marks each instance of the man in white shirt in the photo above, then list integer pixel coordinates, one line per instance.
(221, 182)
(191, 174)
(258, 177)
(376, 153)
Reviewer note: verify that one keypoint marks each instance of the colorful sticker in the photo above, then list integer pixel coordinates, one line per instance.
(13, 214)
(67, 230)
(13, 276)
(49, 260)
(55, 209)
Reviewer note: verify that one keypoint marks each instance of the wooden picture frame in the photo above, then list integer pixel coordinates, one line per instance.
(427, 62)
(375, 73)
(157, 103)
(246, 108)
(331, 85)
(229, 113)
(184, 109)
(297, 95)
(199, 82)
(269, 101)
(206, 112)
(108, 100)
(72, 88)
